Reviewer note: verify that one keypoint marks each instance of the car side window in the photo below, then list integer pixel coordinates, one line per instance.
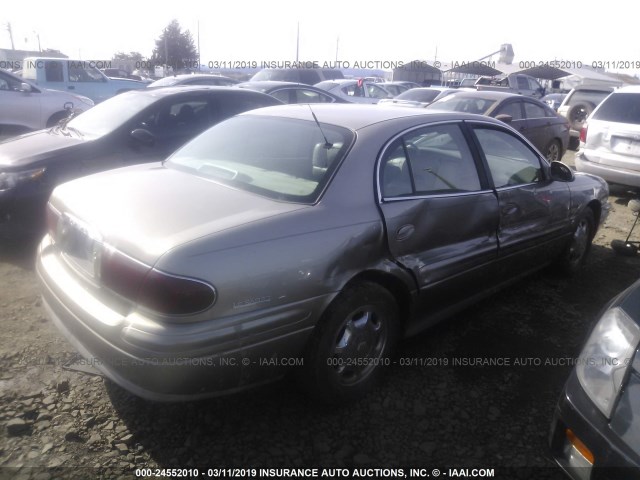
(513, 109)
(427, 161)
(523, 84)
(8, 83)
(532, 110)
(53, 71)
(376, 92)
(191, 115)
(309, 96)
(510, 160)
(78, 73)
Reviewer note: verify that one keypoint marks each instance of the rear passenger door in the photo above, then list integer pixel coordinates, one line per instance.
(441, 216)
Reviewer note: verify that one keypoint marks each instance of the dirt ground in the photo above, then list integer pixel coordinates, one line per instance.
(53, 419)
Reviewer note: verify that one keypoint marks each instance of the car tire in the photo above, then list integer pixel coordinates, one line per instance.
(578, 114)
(576, 251)
(553, 151)
(574, 143)
(351, 344)
(56, 117)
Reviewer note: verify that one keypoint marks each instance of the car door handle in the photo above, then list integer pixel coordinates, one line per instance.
(510, 209)
(71, 87)
(404, 232)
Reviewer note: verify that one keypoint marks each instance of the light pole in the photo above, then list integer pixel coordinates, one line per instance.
(38, 37)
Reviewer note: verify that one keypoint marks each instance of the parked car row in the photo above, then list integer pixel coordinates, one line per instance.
(216, 250)
(134, 127)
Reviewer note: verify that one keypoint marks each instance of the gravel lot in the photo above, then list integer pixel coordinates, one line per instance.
(447, 411)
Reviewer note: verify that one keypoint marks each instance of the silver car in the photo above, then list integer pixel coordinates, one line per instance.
(24, 107)
(302, 238)
(610, 139)
(355, 91)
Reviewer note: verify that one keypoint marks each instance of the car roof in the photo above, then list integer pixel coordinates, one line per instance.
(489, 94)
(195, 75)
(186, 89)
(597, 88)
(356, 115)
(628, 89)
(264, 85)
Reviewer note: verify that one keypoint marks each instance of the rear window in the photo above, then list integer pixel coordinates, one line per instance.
(419, 95)
(281, 158)
(461, 103)
(621, 108)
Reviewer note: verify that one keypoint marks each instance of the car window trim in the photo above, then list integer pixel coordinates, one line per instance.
(425, 196)
(460, 123)
(544, 164)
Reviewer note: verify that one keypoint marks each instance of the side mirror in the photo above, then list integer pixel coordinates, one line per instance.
(561, 172)
(143, 136)
(25, 87)
(503, 117)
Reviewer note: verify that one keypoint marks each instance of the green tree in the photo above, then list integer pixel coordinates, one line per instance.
(132, 56)
(175, 48)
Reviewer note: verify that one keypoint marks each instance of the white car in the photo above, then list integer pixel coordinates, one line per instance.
(24, 107)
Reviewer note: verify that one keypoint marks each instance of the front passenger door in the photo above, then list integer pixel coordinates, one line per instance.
(532, 207)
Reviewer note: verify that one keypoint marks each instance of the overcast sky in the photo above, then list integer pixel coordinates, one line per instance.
(250, 30)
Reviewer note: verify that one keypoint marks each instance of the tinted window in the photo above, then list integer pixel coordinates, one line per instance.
(286, 159)
(523, 83)
(462, 103)
(429, 160)
(511, 108)
(376, 92)
(532, 110)
(53, 71)
(9, 83)
(620, 107)
(300, 95)
(419, 95)
(178, 116)
(534, 85)
(510, 161)
(110, 114)
(79, 72)
(309, 77)
(233, 104)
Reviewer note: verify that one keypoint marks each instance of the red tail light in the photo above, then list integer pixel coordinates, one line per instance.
(583, 133)
(150, 288)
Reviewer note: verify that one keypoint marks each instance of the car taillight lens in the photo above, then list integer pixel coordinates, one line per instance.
(153, 289)
(583, 133)
(175, 295)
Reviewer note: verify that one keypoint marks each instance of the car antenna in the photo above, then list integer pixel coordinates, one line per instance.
(327, 144)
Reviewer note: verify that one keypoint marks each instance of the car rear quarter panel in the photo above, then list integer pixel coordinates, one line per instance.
(311, 252)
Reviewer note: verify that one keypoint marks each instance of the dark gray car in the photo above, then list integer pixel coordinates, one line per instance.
(595, 431)
(548, 131)
(302, 238)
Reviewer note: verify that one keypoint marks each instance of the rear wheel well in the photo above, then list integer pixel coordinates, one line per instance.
(393, 284)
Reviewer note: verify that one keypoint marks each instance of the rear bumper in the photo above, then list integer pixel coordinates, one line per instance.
(615, 175)
(175, 361)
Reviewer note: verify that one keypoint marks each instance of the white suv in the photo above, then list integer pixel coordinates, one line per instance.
(25, 107)
(610, 139)
(578, 105)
